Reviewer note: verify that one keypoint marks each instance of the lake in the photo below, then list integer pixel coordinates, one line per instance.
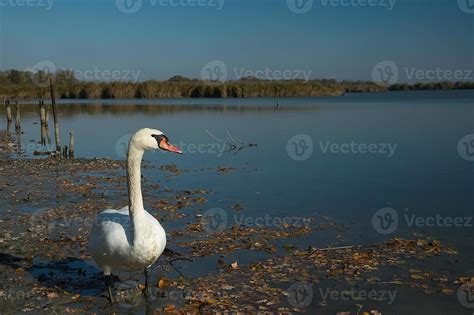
(381, 165)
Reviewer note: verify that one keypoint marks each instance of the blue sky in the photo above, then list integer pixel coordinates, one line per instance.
(330, 40)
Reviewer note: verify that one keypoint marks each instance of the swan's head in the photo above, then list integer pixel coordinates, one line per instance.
(152, 139)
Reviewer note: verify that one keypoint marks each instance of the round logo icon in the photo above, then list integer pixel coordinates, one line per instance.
(300, 147)
(214, 71)
(42, 71)
(214, 220)
(467, 6)
(300, 6)
(38, 219)
(128, 6)
(466, 295)
(466, 147)
(128, 294)
(300, 294)
(385, 72)
(121, 146)
(385, 221)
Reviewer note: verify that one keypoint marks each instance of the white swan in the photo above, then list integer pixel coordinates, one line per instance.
(130, 239)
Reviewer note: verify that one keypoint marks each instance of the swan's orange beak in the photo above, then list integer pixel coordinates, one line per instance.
(165, 145)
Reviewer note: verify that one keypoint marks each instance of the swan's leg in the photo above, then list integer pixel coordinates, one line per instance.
(147, 280)
(109, 288)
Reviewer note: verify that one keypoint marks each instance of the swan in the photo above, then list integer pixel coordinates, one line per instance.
(130, 239)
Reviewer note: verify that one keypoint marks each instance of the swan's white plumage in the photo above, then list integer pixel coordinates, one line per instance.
(129, 238)
(111, 241)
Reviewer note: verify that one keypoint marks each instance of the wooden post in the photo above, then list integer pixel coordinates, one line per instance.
(55, 117)
(65, 151)
(42, 113)
(43, 134)
(8, 109)
(71, 144)
(18, 117)
(43, 122)
(47, 116)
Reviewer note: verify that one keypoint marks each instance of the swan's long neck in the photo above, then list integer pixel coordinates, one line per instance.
(135, 199)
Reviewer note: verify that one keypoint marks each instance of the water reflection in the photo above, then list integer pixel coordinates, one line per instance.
(68, 110)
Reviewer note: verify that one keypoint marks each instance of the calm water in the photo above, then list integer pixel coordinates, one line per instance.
(415, 166)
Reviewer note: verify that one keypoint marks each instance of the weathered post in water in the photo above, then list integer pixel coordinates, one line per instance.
(18, 117)
(8, 110)
(47, 116)
(71, 144)
(42, 111)
(55, 117)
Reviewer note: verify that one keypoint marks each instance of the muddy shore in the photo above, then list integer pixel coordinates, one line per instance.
(47, 206)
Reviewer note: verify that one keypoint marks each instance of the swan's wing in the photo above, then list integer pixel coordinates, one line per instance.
(111, 235)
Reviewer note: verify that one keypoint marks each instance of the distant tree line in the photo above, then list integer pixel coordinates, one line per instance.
(25, 84)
